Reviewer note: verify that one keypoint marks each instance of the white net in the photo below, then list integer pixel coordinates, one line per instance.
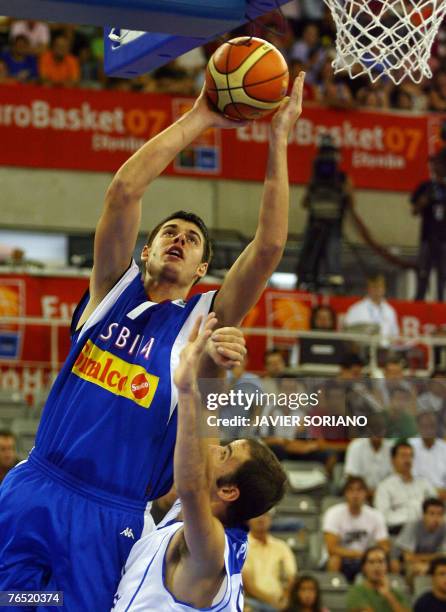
(386, 37)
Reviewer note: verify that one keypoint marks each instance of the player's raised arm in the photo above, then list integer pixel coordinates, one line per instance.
(203, 532)
(248, 276)
(118, 226)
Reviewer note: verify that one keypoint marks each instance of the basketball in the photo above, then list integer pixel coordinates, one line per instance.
(246, 78)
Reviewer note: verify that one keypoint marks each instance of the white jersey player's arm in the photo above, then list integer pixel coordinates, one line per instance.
(203, 533)
(119, 224)
(248, 276)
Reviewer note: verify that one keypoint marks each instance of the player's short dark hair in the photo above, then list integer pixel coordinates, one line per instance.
(432, 501)
(352, 480)
(261, 481)
(437, 562)
(191, 218)
(399, 444)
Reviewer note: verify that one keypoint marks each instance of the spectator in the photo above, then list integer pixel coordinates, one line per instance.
(8, 452)
(306, 595)
(430, 453)
(424, 540)
(437, 94)
(327, 198)
(351, 366)
(375, 594)
(309, 50)
(332, 90)
(434, 600)
(434, 399)
(429, 202)
(36, 32)
(274, 366)
(369, 458)
(399, 421)
(270, 567)
(394, 379)
(5, 79)
(58, 66)
(323, 318)
(22, 66)
(374, 310)
(400, 496)
(350, 528)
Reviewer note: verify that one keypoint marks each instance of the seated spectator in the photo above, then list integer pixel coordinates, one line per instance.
(374, 593)
(350, 528)
(394, 379)
(22, 66)
(434, 600)
(332, 90)
(8, 452)
(275, 366)
(370, 459)
(430, 453)
(434, 400)
(36, 32)
(306, 595)
(270, 567)
(374, 310)
(399, 497)
(58, 66)
(323, 318)
(309, 50)
(399, 421)
(424, 540)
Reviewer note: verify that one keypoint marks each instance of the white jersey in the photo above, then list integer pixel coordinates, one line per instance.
(142, 587)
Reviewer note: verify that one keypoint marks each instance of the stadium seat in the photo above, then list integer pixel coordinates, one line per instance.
(334, 587)
(306, 475)
(328, 501)
(421, 585)
(25, 431)
(303, 508)
(10, 412)
(315, 547)
(338, 479)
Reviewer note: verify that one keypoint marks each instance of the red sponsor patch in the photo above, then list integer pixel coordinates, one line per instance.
(139, 386)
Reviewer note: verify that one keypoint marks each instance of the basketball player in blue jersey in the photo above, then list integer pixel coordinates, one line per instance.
(70, 514)
(194, 558)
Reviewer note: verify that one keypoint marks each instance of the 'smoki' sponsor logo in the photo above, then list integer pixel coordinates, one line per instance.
(115, 375)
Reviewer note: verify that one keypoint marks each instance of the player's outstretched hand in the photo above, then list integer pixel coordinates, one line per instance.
(227, 347)
(290, 109)
(185, 376)
(210, 116)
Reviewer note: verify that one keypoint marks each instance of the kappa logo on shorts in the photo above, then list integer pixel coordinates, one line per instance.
(115, 375)
(128, 533)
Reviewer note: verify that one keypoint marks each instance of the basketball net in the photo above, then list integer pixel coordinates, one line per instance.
(386, 37)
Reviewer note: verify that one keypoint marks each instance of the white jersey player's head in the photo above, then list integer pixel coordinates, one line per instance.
(247, 479)
(178, 250)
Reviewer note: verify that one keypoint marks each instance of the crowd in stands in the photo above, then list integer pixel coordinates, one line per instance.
(72, 56)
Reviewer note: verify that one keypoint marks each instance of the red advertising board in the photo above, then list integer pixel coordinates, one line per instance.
(98, 130)
(25, 365)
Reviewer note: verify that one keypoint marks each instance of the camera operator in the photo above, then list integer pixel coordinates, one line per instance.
(429, 201)
(328, 196)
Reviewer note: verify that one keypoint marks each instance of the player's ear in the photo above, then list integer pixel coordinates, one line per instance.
(145, 252)
(202, 269)
(228, 493)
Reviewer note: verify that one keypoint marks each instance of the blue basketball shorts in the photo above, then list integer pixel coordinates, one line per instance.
(58, 534)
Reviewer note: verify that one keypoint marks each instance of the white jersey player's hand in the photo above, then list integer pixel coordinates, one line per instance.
(186, 374)
(227, 347)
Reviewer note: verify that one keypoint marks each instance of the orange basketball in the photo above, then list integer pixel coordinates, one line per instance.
(246, 78)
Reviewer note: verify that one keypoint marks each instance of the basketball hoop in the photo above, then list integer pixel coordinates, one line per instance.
(386, 37)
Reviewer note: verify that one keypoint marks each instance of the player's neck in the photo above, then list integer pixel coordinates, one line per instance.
(162, 290)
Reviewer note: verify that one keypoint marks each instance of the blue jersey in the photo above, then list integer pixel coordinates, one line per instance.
(143, 589)
(110, 418)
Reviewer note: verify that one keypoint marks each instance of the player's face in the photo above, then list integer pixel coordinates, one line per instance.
(226, 459)
(176, 253)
